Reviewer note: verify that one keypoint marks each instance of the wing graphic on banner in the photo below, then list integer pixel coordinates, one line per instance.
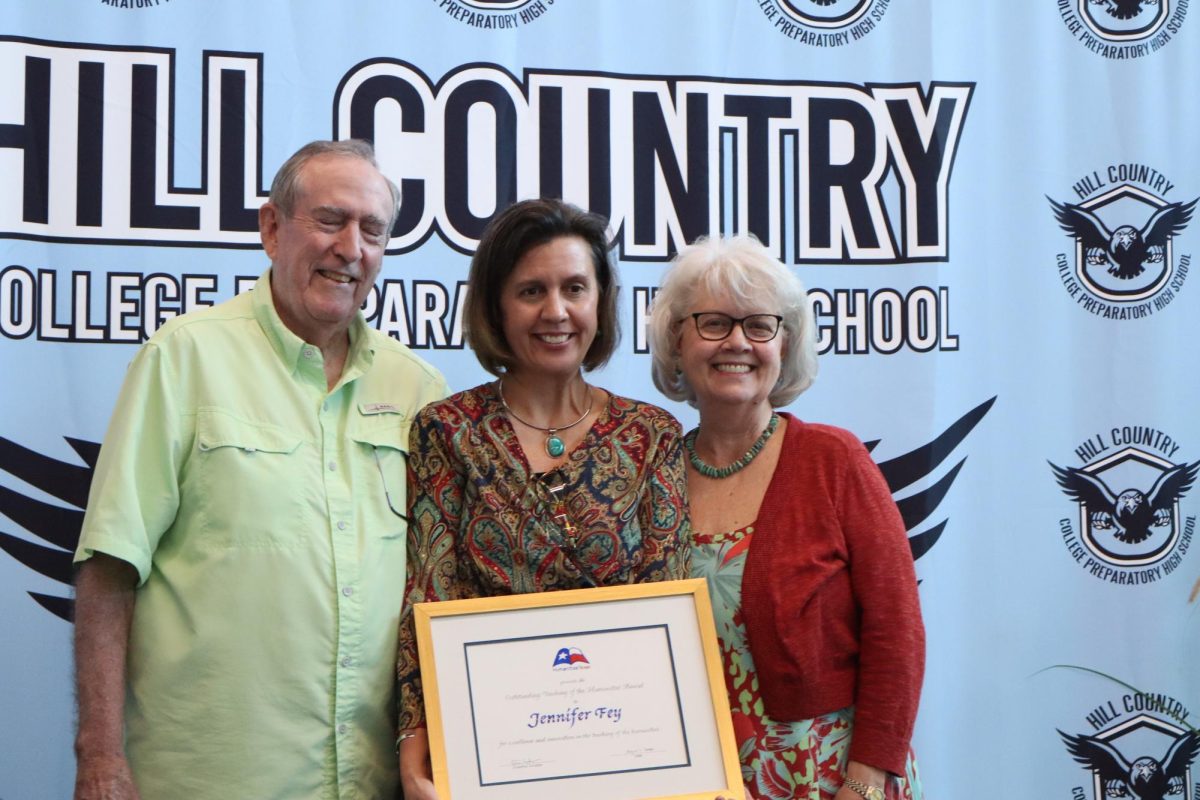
(59, 526)
(56, 525)
(906, 470)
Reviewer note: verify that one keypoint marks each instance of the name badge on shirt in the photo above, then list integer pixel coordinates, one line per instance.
(370, 409)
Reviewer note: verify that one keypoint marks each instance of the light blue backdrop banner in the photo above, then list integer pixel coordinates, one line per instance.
(991, 203)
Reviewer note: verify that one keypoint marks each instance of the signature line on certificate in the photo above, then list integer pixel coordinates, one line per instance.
(637, 752)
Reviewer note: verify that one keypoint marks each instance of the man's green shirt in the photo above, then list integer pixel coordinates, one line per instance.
(262, 513)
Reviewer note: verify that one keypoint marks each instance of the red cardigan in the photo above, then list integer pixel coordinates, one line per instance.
(829, 595)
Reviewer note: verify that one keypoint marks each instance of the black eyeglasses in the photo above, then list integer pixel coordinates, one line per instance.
(388, 495)
(715, 326)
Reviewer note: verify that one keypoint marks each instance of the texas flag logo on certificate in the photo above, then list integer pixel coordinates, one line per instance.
(569, 657)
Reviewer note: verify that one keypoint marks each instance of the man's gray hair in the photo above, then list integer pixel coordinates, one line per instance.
(286, 186)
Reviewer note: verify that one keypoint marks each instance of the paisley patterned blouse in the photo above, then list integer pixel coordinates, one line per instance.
(482, 524)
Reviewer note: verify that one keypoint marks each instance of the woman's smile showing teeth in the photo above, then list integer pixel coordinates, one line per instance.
(554, 338)
(735, 368)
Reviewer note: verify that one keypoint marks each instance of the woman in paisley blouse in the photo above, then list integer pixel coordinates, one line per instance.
(537, 480)
(796, 531)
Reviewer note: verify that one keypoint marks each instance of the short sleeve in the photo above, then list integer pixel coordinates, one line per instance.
(135, 490)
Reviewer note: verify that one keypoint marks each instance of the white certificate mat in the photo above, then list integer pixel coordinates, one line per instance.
(601, 694)
(562, 705)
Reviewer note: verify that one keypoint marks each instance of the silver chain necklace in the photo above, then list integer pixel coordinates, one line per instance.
(554, 443)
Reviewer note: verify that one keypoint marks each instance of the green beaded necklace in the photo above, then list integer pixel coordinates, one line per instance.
(709, 471)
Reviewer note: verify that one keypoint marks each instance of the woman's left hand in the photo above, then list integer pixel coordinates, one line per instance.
(864, 774)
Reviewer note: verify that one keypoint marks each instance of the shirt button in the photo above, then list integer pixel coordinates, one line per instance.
(347, 661)
(308, 352)
(343, 728)
(347, 590)
(333, 466)
(341, 526)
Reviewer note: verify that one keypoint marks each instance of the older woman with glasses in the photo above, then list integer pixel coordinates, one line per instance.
(537, 480)
(796, 531)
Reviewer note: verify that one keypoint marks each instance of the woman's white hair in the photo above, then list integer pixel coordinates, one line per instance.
(739, 268)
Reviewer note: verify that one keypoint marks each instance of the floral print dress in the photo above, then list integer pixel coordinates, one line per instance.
(799, 760)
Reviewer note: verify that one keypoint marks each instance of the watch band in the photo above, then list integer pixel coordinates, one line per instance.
(868, 792)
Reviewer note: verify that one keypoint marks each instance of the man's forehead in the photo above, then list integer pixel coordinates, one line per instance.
(330, 173)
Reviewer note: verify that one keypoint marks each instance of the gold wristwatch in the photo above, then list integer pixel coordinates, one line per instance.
(869, 792)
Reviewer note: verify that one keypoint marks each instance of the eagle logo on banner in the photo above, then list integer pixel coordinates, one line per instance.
(1124, 9)
(1127, 250)
(59, 526)
(1144, 777)
(825, 13)
(1130, 513)
(1123, 20)
(1123, 241)
(1128, 503)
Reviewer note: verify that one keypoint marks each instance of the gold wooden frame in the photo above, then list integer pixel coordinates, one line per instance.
(424, 615)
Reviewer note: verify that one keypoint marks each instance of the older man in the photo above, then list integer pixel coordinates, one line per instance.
(243, 550)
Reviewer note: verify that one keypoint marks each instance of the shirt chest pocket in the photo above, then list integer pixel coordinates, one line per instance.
(250, 477)
(381, 479)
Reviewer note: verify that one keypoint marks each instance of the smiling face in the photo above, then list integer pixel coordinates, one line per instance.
(734, 372)
(549, 308)
(326, 254)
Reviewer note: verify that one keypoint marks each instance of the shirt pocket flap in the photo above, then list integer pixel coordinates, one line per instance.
(385, 430)
(216, 429)
(384, 438)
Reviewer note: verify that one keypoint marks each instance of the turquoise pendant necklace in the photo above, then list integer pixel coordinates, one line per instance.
(554, 443)
(709, 471)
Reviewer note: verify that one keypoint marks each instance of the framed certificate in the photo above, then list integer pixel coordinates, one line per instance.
(614, 693)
